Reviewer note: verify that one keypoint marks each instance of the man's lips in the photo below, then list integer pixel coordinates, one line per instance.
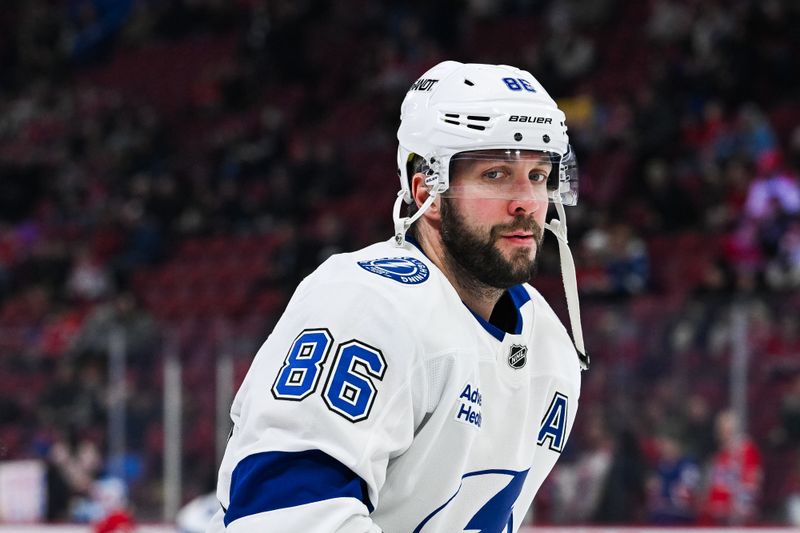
(520, 233)
(519, 238)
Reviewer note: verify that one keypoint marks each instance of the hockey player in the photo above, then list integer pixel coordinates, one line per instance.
(420, 384)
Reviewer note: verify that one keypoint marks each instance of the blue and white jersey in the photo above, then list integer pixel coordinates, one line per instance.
(380, 402)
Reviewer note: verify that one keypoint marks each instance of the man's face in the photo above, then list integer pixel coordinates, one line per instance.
(492, 223)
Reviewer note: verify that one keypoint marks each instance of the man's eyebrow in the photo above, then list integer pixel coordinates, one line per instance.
(543, 160)
(466, 165)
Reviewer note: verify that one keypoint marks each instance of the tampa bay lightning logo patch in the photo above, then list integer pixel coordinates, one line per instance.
(406, 270)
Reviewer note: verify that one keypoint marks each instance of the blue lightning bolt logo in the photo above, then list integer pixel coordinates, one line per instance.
(496, 515)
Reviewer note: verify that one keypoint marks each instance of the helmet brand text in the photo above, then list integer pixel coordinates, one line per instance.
(423, 84)
(530, 119)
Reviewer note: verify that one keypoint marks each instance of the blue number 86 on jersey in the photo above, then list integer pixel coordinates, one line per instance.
(299, 375)
(349, 391)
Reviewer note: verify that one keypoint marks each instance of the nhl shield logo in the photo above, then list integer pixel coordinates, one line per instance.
(517, 356)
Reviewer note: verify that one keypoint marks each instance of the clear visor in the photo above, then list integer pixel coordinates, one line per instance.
(529, 175)
(566, 188)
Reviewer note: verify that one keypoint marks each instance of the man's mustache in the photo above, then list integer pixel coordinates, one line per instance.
(527, 224)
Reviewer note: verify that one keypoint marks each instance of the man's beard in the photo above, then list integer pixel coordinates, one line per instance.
(479, 257)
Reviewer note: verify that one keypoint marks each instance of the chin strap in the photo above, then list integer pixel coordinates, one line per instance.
(558, 227)
(401, 224)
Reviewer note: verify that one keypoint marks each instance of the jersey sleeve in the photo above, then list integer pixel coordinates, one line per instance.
(326, 403)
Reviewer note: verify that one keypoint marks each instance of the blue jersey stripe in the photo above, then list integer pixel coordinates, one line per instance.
(519, 296)
(268, 481)
(496, 332)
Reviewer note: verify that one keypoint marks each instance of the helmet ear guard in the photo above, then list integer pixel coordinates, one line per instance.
(404, 159)
(435, 180)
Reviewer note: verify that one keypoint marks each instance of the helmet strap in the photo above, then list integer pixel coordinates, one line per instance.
(401, 224)
(558, 227)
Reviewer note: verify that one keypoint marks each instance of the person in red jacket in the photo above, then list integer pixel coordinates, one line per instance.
(116, 522)
(734, 476)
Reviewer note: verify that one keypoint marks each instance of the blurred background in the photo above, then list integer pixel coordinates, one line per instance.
(171, 169)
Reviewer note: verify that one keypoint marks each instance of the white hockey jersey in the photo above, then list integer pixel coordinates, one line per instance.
(380, 402)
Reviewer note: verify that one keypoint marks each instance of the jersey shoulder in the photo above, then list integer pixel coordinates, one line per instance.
(397, 273)
(380, 287)
(552, 332)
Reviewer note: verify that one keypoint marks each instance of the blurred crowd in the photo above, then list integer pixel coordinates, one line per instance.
(171, 169)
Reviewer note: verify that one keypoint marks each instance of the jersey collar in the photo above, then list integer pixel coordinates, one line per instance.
(520, 297)
(518, 294)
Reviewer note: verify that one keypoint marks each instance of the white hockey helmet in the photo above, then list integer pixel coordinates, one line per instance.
(456, 107)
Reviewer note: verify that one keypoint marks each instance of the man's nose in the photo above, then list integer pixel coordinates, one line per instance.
(525, 197)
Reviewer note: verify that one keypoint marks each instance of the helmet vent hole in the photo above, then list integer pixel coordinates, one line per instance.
(468, 82)
(473, 122)
(480, 119)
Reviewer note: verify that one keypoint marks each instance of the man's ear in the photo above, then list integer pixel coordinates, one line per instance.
(420, 193)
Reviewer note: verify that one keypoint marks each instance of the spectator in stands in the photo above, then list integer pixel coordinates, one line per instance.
(698, 428)
(733, 484)
(73, 462)
(628, 264)
(673, 487)
(623, 493)
(122, 313)
(756, 135)
(617, 261)
(579, 485)
(742, 250)
(783, 271)
(107, 507)
(56, 405)
(774, 186)
(89, 278)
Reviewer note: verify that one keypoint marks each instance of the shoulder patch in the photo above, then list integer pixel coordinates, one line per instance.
(406, 270)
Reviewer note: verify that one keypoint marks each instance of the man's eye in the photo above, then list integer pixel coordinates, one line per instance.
(537, 177)
(494, 174)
